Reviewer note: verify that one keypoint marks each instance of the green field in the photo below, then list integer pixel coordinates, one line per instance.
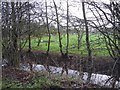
(97, 44)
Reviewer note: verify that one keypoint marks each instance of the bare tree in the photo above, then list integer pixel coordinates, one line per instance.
(67, 28)
(14, 28)
(58, 27)
(89, 64)
(112, 34)
(47, 28)
(10, 28)
(29, 33)
(78, 25)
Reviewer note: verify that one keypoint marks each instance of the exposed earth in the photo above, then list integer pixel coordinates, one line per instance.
(101, 64)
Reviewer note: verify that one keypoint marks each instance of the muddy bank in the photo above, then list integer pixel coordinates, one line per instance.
(101, 64)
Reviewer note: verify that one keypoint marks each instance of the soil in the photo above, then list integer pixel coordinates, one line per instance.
(101, 64)
(16, 74)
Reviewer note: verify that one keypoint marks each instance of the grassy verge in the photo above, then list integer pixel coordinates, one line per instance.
(41, 80)
(36, 82)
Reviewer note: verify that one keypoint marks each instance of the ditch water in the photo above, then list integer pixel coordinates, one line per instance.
(98, 79)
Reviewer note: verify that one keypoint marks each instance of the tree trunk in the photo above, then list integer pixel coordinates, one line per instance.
(29, 30)
(60, 43)
(89, 64)
(67, 28)
(78, 34)
(14, 46)
(39, 40)
(47, 29)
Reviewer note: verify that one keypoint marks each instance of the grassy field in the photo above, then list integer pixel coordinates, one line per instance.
(96, 41)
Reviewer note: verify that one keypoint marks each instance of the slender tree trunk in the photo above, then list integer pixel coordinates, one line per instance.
(29, 33)
(60, 43)
(47, 29)
(89, 64)
(78, 35)
(67, 29)
(19, 25)
(39, 40)
(79, 38)
(14, 47)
